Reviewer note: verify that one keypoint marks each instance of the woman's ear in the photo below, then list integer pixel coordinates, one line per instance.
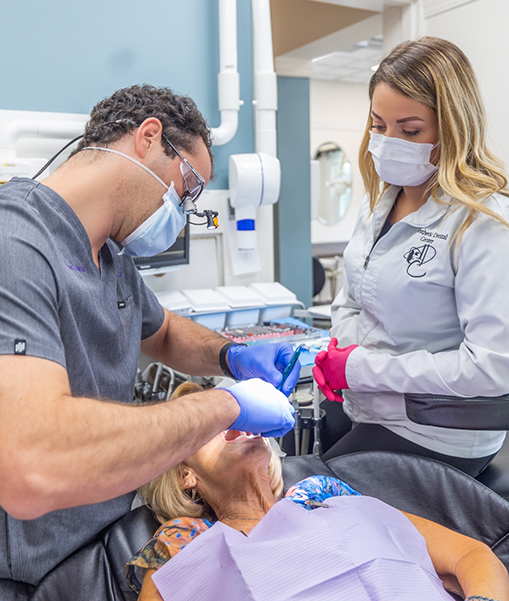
(188, 479)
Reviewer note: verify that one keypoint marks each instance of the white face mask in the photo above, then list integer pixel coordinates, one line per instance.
(401, 162)
(157, 233)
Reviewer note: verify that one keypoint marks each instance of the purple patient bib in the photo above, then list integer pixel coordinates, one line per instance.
(357, 549)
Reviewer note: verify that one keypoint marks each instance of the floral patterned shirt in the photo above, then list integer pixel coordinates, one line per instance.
(174, 535)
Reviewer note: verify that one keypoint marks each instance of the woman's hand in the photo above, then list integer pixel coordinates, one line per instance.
(329, 369)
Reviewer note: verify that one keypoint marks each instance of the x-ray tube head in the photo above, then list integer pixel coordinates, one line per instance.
(254, 179)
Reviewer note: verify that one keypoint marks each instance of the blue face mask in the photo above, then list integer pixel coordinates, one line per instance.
(157, 233)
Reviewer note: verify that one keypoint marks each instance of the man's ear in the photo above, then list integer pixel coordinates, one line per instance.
(148, 137)
(188, 479)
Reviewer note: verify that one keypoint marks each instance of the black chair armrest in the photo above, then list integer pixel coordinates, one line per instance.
(474, 413)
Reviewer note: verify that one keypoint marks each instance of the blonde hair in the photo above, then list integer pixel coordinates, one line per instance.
(168, 500)
(436, 73)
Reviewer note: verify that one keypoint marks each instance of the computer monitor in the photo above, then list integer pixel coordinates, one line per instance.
(178, 254)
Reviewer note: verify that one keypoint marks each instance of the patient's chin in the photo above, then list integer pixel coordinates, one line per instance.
(245, 449)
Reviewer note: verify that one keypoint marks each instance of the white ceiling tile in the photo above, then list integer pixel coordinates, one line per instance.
(364, 52)
(337, 71)
(359, 77)
(329, 76)
(353, 64)
(365, 65)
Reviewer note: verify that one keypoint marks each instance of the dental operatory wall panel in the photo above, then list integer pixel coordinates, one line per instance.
(338, 112)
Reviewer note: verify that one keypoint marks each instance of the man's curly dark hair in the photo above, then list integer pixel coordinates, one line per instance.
(127, 108)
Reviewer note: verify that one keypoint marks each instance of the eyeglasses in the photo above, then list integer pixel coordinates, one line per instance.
(193, 181)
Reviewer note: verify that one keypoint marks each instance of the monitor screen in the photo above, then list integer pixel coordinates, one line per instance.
(178, 254)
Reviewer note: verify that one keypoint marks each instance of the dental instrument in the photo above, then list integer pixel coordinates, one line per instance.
(290, 366)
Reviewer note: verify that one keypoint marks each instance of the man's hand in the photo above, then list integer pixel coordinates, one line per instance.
(329, 369)
(263, 409)
(265, 361)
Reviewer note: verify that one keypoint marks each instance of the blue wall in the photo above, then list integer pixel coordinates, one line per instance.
(292, 213)
(65, 56)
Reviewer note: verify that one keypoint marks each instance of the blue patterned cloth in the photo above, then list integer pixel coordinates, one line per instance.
(318, 489)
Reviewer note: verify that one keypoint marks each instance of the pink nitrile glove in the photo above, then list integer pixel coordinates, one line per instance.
(323, 387)
(329, 369)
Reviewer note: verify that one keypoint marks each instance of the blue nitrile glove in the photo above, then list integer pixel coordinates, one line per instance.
(265, 361)
(263, 409)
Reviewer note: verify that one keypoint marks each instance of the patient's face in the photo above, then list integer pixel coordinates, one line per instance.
(229, 456)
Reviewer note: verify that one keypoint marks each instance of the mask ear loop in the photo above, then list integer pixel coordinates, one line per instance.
(435, 146)
(126, 156)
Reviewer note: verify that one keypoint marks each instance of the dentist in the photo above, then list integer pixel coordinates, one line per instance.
(74, 311)
(424, 304)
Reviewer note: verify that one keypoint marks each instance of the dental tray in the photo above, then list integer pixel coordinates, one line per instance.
(273, 332)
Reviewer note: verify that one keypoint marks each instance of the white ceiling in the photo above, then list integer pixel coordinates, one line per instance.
(346, 55)
(350, 53)
(353, 64)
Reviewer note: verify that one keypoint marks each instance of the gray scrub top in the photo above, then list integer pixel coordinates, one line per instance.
(56, 304)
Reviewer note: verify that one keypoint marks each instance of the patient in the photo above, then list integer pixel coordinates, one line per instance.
(235, 480)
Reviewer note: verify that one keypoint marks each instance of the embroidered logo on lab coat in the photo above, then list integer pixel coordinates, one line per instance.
(418, 256)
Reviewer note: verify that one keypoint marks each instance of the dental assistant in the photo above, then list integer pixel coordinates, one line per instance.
(74, 311)
(424, 304)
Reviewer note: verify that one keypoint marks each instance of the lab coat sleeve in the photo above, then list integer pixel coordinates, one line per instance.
(345, 313)
(480, 366)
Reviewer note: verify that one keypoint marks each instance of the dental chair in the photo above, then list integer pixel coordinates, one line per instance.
(419, 485)
(425, 487)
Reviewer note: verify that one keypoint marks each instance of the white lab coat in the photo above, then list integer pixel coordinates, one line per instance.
(426, 320)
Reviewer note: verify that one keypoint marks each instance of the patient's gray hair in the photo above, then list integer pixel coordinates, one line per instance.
(169, 501)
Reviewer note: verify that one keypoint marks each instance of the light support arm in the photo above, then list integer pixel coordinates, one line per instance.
(228, 78)
(265, 79)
